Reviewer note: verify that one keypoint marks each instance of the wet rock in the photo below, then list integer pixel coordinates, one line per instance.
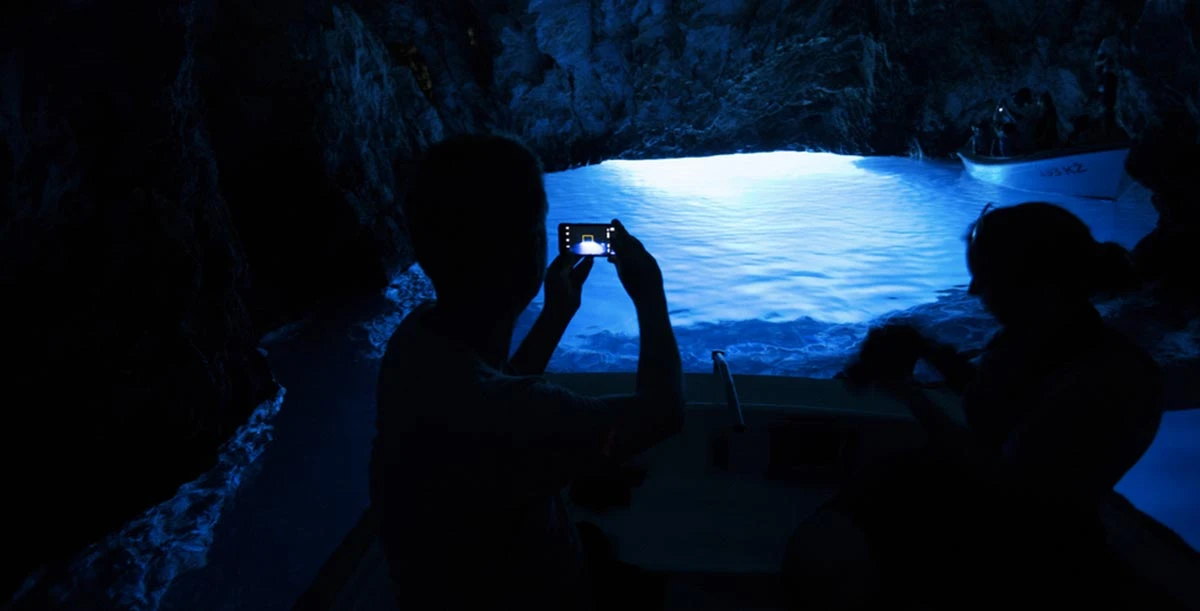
(178, 180)
(305, 115)
(583, 82)
(130, 352)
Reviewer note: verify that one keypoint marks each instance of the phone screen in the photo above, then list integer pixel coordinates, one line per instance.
(586, 239)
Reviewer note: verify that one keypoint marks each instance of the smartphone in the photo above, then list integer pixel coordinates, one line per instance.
(586, 239)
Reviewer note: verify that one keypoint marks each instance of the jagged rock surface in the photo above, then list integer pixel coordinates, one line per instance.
(586, 81)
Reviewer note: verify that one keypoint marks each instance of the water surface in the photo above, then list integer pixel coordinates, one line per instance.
(784, 259)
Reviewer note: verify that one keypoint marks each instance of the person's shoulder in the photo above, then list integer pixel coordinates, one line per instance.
(417, 357)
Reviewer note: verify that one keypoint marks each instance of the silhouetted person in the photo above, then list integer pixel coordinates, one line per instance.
(1013, 123)
(474, 448)
(981, 138)
(1046, 134)
(1003, 509)
(1007, 139)
(1026, 114)
(1004, 129)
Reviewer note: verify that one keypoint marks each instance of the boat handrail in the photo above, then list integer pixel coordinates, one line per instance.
(1039, 155)
(721, 370)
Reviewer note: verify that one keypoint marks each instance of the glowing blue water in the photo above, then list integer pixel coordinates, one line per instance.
(784, 260)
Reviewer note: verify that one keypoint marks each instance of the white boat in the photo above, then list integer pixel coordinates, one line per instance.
(720, 500)
(1096, 172)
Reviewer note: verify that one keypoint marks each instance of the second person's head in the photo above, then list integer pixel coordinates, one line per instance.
(1032, 261)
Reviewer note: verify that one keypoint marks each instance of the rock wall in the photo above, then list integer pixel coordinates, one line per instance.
(586, 81)
(180, 178)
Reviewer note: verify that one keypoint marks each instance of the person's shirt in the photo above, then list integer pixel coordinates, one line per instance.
(467, 476)
(1069, 410)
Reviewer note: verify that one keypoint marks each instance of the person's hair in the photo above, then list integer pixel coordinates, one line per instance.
(473, 194)
(1037, 244)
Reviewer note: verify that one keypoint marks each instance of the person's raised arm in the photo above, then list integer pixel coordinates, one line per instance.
(889, 353)
(557, 435)
(564, 283)
(659, 386)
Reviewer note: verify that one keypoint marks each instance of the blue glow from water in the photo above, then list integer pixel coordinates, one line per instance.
(1166, 481)
(784, 260)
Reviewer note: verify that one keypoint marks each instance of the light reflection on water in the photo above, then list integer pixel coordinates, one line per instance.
(793, 253)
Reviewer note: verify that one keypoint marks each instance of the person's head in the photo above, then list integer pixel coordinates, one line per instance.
(1033, 261)
(476, 214)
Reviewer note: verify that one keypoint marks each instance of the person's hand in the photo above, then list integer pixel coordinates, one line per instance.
(637, 269)
(564, 285)
(888, 356)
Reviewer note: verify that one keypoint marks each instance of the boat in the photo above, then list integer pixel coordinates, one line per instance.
(719, 501)
(1095, 172)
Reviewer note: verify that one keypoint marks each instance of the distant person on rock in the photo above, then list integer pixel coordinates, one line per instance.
(1046, 132)
(1001, 510)
(474, 447)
